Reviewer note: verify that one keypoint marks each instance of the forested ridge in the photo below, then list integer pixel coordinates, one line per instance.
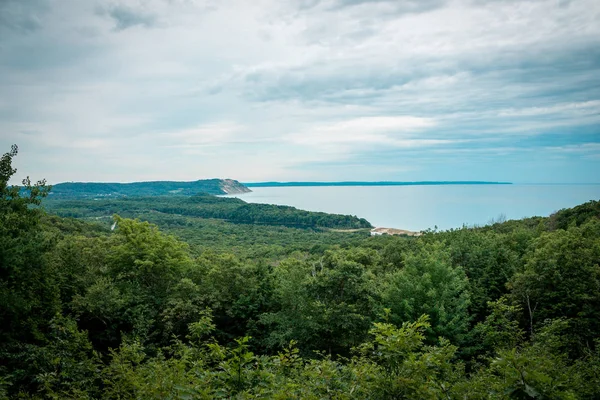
(158, 188)
(194, 308)
(205, 206)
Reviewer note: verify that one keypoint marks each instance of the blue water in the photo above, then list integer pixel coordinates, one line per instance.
(422, 207)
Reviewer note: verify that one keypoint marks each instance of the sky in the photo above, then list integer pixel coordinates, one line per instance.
(302, 90)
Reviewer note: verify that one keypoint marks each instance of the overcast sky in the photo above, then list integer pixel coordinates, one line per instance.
(406, 90)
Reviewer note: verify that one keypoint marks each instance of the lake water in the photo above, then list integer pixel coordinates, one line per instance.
(420, 207)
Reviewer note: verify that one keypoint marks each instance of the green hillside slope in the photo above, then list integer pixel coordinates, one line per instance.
(158, 188)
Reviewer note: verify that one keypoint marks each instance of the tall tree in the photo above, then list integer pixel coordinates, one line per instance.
(429, 284)
(29, 294)
(28, 297)
(562, 280)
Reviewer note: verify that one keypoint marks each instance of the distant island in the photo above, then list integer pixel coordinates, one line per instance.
(382, 183)
(157, 188)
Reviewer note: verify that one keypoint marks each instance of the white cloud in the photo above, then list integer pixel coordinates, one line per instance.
(367, 131)
(574, 109)
(130, 89)
(216, 134)
(576, 148)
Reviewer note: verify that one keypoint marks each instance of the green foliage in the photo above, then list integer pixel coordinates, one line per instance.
(532, 371)
(206, 206)
(501, 328)
(29, 296)
(68, 364)
(429, 284)
(324, 305)
(562, 279)
(577, 216)
(71, 190)
(192, 306)
(408, 368)
(488, 259)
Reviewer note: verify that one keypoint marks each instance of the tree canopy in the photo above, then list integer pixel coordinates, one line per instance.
(171, 305)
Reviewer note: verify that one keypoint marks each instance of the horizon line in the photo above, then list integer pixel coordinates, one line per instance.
(370, 183)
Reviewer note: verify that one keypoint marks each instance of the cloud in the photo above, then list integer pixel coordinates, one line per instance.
(22, 16)
(367, 131)
(397, 6)
(577, 148)
(126, 17)
(578, 109)
(216, 134)
(132, 89)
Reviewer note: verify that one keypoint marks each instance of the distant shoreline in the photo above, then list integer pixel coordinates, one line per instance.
(359, 183)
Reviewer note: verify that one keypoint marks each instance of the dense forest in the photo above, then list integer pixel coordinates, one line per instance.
(169, 299)
(205, 206)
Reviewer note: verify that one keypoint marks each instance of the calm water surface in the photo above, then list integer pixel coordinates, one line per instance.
(421, 207)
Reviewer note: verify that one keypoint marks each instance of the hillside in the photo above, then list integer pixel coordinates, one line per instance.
(195, 307)
(203, 207)
(157, 188)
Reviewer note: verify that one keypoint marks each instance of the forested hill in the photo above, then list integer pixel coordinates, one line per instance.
(157, 188)
(203, 206)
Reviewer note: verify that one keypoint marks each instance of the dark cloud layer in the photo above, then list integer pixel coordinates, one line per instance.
(22, 16)
(126, 17)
